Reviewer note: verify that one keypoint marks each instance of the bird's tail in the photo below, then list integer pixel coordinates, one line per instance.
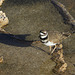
(66, 34)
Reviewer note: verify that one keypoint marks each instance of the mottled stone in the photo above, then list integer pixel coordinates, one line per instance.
(1, 1)
(3, 19)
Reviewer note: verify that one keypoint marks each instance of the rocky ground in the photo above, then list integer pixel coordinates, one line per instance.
(26, 19)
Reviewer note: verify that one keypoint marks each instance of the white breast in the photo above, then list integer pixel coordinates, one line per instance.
(50, 43)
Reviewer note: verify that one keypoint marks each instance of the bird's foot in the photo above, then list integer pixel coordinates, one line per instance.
(57, 47)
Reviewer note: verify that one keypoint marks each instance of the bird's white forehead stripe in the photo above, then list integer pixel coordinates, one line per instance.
(41, 34)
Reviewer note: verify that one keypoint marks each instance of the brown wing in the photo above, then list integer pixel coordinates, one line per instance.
(55, 36)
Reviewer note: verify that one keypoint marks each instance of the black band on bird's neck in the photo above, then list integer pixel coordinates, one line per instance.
(44, 38)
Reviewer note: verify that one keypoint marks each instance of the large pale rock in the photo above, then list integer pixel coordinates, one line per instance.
(1, 1)
(3, 19)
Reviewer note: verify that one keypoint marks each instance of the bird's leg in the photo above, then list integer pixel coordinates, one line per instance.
(50, 48)
(54, 49)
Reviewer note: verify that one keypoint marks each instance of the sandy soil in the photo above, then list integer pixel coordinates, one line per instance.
(27, 18)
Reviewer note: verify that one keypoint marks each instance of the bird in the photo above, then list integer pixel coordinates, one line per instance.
(52, 38)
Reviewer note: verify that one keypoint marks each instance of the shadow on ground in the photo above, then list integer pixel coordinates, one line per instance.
(25, 1)
(26, 19)
(19, 41)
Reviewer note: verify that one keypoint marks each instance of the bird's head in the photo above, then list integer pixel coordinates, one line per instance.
(43, 34)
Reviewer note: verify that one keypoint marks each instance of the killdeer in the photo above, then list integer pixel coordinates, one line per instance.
(52, 38)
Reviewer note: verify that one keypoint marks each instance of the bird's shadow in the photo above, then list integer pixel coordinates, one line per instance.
(15, 40)
(18, 40)
(19, 2)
